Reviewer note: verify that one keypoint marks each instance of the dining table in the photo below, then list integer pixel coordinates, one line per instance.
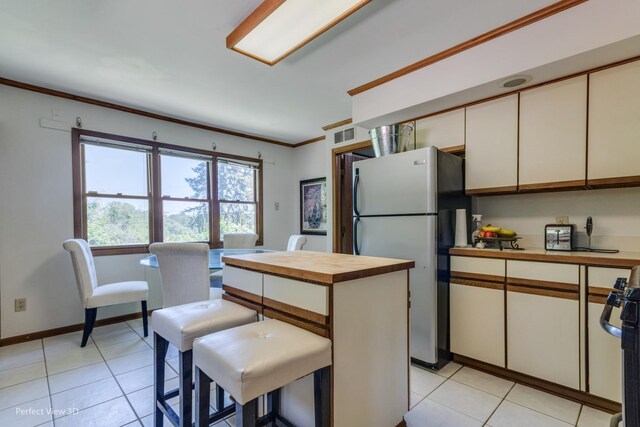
(215, 257)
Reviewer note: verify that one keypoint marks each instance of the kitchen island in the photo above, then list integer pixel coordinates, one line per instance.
(360, 303)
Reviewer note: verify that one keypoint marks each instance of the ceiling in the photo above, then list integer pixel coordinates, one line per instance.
(163, 57)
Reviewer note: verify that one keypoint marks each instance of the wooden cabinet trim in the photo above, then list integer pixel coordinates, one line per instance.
(622, 181)
(242, 302)
(597, 299)
(598, 294)
(543, 292)
(242, 294)
(543, 284)
(477, 284)
(495, 191)
(477, 276)
(578, 184)
(454, 149)
(292, 310)
(318, 330)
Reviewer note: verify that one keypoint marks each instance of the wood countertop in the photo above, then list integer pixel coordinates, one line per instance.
(594, 259)
(318, 267)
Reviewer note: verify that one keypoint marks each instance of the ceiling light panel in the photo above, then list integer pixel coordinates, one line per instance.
(277, 28)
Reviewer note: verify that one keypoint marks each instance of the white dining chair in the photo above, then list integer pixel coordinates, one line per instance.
(93, 295)
(184, 272)
(239, 240)
(296, 242)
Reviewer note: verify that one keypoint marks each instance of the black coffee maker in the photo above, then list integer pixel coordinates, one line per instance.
(627, 294)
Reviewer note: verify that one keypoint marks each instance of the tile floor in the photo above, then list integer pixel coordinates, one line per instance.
(110, 383)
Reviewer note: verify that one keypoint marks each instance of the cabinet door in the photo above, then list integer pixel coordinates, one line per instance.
(553, 126)
(605, 370)
(543, 321)
(444, 130)
(491, 147)
(614, 125)
(477, 320)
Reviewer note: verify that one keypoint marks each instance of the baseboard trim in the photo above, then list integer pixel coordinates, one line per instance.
(66, 329)
(547, 386)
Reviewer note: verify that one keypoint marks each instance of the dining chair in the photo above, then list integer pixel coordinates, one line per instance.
(184, 272)
(239, 240)
(296, 242)
(93, 295)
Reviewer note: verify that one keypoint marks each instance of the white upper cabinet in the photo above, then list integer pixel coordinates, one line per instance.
(492, 146)
(614, 124)
(444, 130)
(553, 135)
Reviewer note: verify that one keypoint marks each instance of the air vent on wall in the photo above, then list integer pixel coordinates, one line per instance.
(344, 135)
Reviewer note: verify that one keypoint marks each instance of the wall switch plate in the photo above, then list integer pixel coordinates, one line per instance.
(276, 206)
(20, 304)
(562, 220)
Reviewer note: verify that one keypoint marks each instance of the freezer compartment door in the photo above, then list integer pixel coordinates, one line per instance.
(403, 183)
(410, 237)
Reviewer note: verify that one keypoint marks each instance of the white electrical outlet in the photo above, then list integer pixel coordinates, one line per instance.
(562, 220)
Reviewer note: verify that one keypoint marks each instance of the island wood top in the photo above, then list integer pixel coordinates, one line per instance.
(594, 259)
(319, 267)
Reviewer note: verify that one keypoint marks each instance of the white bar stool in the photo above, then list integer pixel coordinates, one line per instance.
(180, 325)
(260, 358)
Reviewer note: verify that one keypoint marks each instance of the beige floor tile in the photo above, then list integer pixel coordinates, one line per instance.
(141, 378)
(111, 329)
(510, 414)
(113, 413)
(24, 392)
(414, 399)
(27, 414)
(72, 358)
(87, 395)
(138, 328)
(79, 376)
(130, 362)
(122, 348)
(423, 382)
(483, 381)
(431, 414)
(466, 400)
(590, 417)
(142, 402)
(22, 374)
(26, 353)
(450, 369)
(546, 403)
(116, 337)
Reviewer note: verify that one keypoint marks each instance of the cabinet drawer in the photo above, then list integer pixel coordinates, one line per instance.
(544, 271)
(605, 277)
(604, 356)
(300, 299)
(244, 283)
(477, 268)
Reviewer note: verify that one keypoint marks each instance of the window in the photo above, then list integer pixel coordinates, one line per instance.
(129, 193)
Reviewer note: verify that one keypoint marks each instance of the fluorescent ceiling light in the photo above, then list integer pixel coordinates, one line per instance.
(277, 28)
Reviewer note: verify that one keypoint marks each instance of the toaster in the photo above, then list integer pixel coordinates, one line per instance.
(559, 237)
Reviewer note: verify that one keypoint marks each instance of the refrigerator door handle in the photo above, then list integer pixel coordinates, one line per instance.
(356, 184)
(356, 249)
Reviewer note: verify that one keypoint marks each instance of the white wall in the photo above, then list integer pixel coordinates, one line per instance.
(36, 213)
(615, 213)
(309, 161)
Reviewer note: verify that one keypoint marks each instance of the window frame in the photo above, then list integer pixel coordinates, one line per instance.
(80, 226)
(257, 190)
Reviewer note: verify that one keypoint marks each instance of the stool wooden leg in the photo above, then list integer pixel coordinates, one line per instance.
(185, 375)
(247, 414)
(322, 396)
(203, 386)
(273, 404)
(219, 398)
(160, 346)
(89, 319)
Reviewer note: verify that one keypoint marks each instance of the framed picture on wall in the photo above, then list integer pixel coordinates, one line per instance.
(313, 206)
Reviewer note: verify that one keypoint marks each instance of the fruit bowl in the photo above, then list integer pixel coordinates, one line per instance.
(500, 242)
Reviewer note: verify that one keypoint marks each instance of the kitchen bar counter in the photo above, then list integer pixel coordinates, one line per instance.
(317, 267)
(594, 259)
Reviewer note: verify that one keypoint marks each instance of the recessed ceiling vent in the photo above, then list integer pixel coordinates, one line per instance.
(514, 81)
(344, 135)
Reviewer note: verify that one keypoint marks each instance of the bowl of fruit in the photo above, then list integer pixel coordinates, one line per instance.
(496, 236)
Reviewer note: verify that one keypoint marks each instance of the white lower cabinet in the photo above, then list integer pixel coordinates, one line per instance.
(543, 337)
(477, 323)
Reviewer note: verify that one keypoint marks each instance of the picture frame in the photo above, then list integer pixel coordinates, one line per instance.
(313, 206)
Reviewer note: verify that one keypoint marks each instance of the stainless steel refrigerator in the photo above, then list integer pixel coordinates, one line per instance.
(404, 207)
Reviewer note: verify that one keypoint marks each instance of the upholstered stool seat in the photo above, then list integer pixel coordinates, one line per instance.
(259, 358)
(180, 325)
